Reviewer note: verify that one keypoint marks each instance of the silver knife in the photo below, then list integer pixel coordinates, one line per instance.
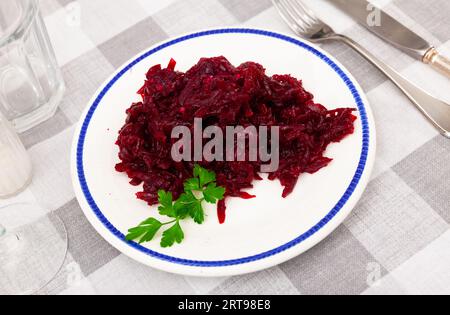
(392, 31)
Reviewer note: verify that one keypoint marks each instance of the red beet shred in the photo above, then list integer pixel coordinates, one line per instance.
(224, 95)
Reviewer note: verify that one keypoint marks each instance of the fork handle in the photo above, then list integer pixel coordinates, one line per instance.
(435, 110)
(438, 61)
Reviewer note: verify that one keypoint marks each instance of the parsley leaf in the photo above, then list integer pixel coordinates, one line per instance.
(192, 184)
(212, 193)
(204, 175)
(197, 213)
(145, 232)
(166, 201)
(172, 235)
(184, 204)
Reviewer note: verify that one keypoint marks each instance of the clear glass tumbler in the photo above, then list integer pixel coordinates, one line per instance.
(31, 84)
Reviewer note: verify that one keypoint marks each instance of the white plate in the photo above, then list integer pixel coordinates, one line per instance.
(258, 233)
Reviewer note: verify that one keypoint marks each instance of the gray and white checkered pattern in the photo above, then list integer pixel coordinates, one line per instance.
(396, 241)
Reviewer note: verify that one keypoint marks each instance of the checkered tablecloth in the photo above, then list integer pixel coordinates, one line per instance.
(396, 241)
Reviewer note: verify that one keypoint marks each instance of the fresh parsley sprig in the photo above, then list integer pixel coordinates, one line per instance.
(201, 188)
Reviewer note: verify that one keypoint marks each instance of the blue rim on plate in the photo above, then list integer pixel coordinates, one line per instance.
(194, 263)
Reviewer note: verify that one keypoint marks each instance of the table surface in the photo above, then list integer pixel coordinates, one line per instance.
(396, 241)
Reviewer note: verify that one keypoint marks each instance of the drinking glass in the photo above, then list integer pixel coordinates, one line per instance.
(31, 84)
(33, 244)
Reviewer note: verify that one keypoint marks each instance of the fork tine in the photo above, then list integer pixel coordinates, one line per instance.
(289, 17)
(298, 16)
(303, 13)
(306, 11)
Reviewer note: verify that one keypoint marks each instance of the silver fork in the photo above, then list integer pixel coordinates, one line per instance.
(306, 24)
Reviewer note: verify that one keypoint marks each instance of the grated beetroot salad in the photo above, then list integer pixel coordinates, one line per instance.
(224, 95)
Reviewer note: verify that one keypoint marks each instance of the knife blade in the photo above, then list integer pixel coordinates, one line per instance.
(392, 31)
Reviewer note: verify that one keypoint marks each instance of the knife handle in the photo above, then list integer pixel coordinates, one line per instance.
(437, 111)
(437, 61)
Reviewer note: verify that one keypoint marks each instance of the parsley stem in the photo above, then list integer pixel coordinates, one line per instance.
(167, 223)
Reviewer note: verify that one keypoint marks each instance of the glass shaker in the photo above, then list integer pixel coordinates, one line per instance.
(31, 84)
(15, 164)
